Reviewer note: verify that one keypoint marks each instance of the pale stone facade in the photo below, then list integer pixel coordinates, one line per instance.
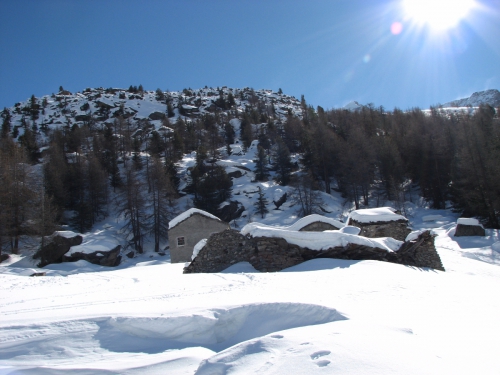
(186, 234)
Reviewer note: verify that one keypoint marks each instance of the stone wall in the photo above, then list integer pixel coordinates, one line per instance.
(274, 254)
(318, 226)
(469, 230)
(395, 229)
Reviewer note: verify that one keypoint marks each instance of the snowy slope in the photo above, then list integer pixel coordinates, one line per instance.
(323, 316)
(103, 106)
(491, 97)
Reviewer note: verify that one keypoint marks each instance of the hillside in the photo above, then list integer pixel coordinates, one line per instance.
(99, 106)
(490, 97)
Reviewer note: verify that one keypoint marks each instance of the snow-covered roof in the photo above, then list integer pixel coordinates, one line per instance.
(319, 240)
(374, 215)
(469, 221)
(305, 221)
(187, 214)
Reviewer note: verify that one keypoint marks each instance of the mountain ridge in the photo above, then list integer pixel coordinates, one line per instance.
(490, 97)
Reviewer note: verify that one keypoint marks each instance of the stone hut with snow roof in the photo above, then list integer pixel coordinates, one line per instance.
(379, 222)
(187, 229)
(316, 223)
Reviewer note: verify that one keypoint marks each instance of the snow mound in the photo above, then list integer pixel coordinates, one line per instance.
(66, 233)
(350, 229)
(413, 235)
(185, 215)
(319, 240)
(221, 328)
(373, 215)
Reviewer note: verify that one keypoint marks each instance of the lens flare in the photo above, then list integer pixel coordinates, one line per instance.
(396, 28)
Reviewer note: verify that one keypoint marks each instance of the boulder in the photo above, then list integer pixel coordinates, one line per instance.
(235, 174)
(82, 118)
(4, 257)
(110, 258)
(157, 116)
(57, 246)
(469, 227)
(230, 211)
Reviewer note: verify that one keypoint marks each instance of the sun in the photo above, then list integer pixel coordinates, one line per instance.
(439, 15)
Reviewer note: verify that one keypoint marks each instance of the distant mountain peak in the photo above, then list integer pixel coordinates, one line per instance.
(491, 97)
(353, 106)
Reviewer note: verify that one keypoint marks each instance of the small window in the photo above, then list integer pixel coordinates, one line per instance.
(181, 241)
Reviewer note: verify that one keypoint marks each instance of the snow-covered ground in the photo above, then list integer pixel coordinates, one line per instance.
(323, 316)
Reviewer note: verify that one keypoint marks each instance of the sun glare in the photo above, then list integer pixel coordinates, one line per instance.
(439, 15)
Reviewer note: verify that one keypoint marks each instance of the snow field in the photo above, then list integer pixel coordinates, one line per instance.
(325, 315)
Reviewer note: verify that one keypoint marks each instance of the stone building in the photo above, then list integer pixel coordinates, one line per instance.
(380, 222)
(187, 229)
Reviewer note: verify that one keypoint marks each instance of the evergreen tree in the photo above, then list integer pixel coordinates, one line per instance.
(261, 204)
(282, 163)
(213, 188)
(261, 171)
(6, 118)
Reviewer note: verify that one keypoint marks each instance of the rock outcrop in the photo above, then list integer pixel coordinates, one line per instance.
(56, 247)
(230, 211)
(110, 258)
(396, 229)
(274, 254)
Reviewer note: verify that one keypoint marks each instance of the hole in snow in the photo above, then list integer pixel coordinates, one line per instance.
(215, 329)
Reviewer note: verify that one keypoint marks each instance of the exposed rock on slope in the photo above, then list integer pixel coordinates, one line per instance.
(490, 97)
(58, 245)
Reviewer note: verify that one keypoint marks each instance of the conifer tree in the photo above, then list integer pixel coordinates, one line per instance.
(6, 118)
(282, 163)
(261, 171)
(261, 204)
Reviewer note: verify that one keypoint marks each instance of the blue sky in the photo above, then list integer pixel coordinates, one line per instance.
(332, 51)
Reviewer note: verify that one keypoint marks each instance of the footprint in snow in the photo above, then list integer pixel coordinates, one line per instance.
(323, 363)
(320, 353)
